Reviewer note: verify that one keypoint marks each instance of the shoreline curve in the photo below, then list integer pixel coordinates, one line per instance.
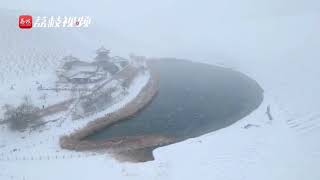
(75, 141)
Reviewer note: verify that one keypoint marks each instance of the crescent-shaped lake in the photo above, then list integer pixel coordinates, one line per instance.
(193, 99)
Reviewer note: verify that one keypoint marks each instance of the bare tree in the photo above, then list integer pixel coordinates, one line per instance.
(22, 117)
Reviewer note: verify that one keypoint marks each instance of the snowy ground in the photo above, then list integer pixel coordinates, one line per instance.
(44, 144)
(286, 148)
(30, 58)
(281, 53)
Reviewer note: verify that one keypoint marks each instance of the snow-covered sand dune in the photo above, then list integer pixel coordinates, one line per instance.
(28, 57)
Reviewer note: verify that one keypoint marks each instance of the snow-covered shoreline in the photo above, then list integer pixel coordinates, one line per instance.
(263, 151)
(75, 140)
(27, 145)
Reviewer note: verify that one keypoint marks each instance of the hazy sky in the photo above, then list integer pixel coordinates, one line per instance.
(137, 8)
(189, 27)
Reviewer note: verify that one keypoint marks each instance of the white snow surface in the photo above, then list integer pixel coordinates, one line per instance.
(280, 52)
(30, 58)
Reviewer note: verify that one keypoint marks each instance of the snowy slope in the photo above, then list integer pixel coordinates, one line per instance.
(282, 54)
(30, 56)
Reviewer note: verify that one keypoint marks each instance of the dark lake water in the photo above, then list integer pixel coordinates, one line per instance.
(193, 99)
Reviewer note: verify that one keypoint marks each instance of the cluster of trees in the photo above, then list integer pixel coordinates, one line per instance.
(22, 117)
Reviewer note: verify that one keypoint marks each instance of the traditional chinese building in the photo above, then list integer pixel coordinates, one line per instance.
(80, 72)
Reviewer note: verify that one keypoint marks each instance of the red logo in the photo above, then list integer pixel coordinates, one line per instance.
(25, 21)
